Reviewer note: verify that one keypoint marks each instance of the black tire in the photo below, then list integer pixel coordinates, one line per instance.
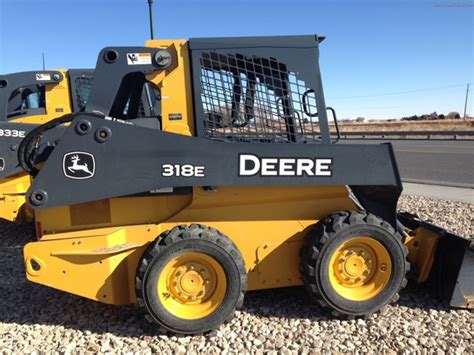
(322, 242)
(179, 241)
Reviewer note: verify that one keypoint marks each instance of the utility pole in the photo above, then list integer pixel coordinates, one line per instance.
(44, 65)
(150, 12)
(465, 102)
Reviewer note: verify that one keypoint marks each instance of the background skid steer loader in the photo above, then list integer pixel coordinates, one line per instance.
(28, 99)
(185, 210)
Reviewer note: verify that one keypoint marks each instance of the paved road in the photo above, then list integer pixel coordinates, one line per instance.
(438, 162)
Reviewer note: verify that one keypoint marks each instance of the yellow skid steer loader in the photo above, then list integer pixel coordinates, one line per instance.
(232, 183)
(28, 99)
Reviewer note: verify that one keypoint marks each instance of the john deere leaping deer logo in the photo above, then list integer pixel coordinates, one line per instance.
(78, 165)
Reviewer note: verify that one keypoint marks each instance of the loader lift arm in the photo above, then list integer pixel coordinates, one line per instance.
(118, 80)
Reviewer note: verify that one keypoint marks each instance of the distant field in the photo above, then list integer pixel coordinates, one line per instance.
(440, 125)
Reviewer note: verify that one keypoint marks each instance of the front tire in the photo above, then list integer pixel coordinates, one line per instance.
(191, 280)
(354, 263)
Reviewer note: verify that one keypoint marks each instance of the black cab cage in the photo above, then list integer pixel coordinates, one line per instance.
(259, 89)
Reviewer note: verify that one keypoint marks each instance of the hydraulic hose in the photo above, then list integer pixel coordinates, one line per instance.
(27, 151)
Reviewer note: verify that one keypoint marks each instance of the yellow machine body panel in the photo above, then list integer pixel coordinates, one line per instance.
(97, 264)
(107, 213)
(267, 224)
(12, 198)
(175, 86)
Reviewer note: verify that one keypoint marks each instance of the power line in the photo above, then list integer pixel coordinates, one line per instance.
(398, 92)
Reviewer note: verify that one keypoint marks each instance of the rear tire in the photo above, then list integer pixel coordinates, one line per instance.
(354, 263)
(191, 280)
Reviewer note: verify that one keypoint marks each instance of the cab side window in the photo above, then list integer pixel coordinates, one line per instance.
(27, 101)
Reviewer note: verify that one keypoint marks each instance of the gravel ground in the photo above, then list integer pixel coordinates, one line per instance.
(36, 318)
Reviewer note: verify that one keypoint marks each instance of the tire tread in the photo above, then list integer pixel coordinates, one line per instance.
(175, 235)
(322, 233)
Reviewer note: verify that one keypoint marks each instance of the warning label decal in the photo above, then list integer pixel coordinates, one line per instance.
(43, 77)
(138, 58)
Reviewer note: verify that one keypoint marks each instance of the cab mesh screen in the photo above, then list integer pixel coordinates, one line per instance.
(255, 99)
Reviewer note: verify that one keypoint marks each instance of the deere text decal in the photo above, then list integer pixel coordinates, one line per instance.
(250, 165)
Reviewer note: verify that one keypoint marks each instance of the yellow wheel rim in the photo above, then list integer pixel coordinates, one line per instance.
(192, 286)
(360, 269)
